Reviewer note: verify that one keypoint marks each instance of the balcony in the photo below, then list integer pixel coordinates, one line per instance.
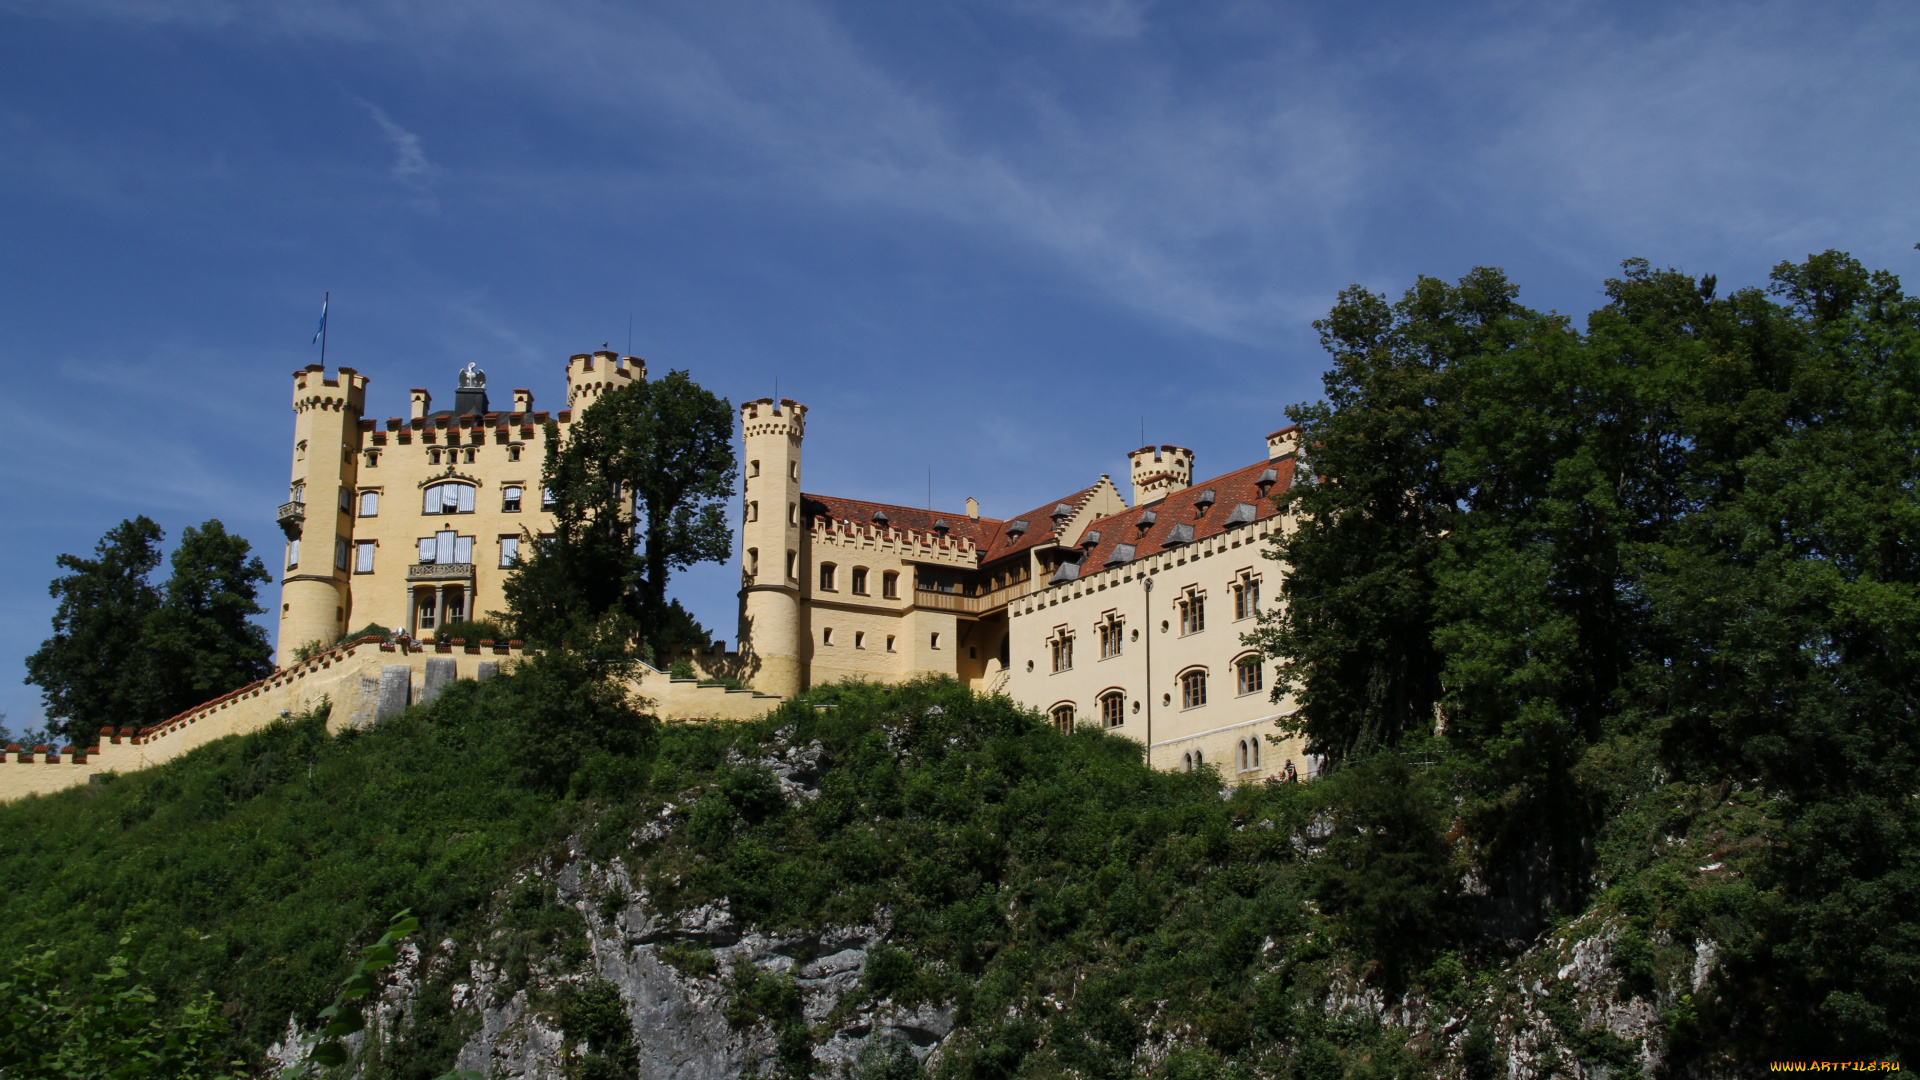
(443, 571)
(932, 600)
(292, 516)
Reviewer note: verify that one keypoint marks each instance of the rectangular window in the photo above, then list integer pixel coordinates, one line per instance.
(860, 580)
(346, 501)
(513, 453)
(1193, 611)
(889, 642)
(859, 639)
(753, 468)
(1113, 710)
(826, 635)
(890, 585)
(1061, 648)
(363, 557)
(463, 549)
(753, 510)
(369, 504)
(1249, 675)
(827, 571)
(426, 549)
(1246, 597)
(443, 543)
(510, 499)
(293, 554)
(793, 566)
(1112, 634)
(341, 554)
(935, 643)
(547, 500)
(509, 551)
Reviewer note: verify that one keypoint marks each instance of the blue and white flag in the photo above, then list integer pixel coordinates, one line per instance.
(320, 330)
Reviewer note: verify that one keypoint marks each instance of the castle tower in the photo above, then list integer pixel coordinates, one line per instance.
(770, 623)
(315, 600)
(1159, 471)
(591, 374)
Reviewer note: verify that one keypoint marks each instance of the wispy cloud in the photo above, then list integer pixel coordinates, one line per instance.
(410, 169)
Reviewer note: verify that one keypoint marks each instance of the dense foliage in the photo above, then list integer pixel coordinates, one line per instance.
(1680, 548)
(639, 491)
(125, 652)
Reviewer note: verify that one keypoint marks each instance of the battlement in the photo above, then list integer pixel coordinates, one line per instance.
(591, 374)
(768, 417)
(346, 392)
(1284, 442)
(907, 544)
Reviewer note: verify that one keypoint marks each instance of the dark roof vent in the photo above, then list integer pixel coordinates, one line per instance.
(1243, 514)
(1146, 520)
(1091, 540)
(940, 526)
(879, 517)
(1179, 535)
(1267, 479)
(1069, 571)
(1017, 527)
(1204, 500)
(1122, 553)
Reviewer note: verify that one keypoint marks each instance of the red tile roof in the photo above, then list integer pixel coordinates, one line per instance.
(1182, 508)
(989, 535)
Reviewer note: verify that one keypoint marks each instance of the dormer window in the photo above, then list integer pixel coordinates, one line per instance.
(1178, 535)
(880, 518)
(1147, 520)
(1091, 540)
(1017, 527)
(1122, 553)
(1061, 512)
(1267, 479)
(1204, 500)
(1243, 514)
(940, 526)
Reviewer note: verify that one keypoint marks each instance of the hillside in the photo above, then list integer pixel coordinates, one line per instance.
(869, 870)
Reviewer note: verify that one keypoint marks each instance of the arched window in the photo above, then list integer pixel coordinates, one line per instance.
(1193, 688)
(828, 573)
(1255, 743)
(1063, 717)
(890, 585)
(1243, 755)
(369, 504)
(859, 582)
(1186, 762)
(1247, 675)
(450, 497)
(1113, 708)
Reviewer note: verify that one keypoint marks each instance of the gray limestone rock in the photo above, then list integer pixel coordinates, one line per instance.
(441, 671)
(396, 690)
(488, 669)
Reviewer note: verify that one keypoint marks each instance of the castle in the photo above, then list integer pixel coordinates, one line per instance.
(1091, 608)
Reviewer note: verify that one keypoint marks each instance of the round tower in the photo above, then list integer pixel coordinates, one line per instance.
(316, 601)
(770, 556)
(591, 374)
(1159, 471)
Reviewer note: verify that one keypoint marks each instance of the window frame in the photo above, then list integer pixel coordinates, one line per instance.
(1113, 709)
(373, 494)
(1193, 688)
(1064, 716)
(509, 552)
(857, 581)
(512, 496)
(1193, 610)
(890, 585)
(829, 577)
(1242, 665)
(363, 553)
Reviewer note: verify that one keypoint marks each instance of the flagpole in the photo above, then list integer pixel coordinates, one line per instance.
(325, 303)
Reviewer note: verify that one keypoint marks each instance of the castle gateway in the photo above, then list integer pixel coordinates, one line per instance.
(1089, 608)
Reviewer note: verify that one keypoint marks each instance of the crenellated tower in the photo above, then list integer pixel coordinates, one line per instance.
(591, 374)
(770, 539)
(315, 599)
(1159, 471)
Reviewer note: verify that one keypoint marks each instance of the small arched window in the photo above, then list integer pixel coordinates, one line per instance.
(1063, 717)
(1247, 675)
(1193, 688)
(828, 574)
(1113, 708)
(890, 585)
(1243, 755)
(859, 581)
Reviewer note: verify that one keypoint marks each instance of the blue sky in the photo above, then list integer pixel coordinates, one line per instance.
(978, 237)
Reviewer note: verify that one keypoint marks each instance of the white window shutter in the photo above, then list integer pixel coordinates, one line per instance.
(430, 502)
(363, 562)
(509, 550)
(466, 498)
(443, 547)
(463, 548)
(449, 498)
(426, 549)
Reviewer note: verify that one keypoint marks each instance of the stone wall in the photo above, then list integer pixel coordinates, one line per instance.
(364, 681)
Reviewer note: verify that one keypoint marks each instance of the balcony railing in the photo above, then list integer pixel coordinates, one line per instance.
(443, 571)
(291, 516)
(933, 600)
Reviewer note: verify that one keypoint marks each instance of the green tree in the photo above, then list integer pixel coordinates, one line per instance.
(116, 1028)
(201, 641)
(92, 672)
(640, 491)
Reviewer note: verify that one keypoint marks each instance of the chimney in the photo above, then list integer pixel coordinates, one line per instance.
(973, 509)
(1284, 442)
(422, 403)
(523, 401)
